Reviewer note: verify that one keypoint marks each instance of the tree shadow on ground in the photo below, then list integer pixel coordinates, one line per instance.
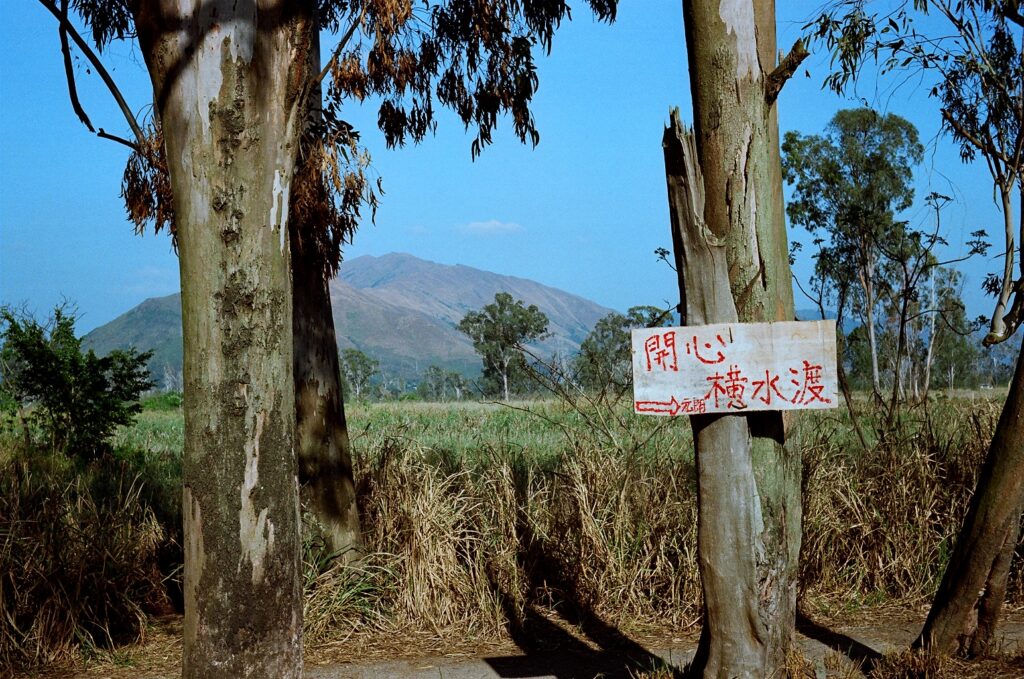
(861, 654)
(553, 649)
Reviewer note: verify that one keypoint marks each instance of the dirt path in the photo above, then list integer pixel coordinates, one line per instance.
(825, 649)
(561, 651)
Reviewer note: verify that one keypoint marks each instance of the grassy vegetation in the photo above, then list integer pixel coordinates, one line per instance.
(480, 517)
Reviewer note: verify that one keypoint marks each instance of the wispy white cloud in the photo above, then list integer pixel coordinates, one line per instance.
(492, 227)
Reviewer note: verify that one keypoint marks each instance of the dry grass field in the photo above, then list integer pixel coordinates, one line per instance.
(481, 522)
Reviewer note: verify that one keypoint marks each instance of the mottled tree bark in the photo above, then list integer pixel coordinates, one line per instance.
(322, 441)
(321, 432)
(980, 562)
(748, 481)
(228, 85)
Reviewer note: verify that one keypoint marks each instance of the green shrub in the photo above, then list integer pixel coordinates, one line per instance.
(168, 400)
(77, 399)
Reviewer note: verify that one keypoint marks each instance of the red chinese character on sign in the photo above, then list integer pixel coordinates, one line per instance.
(694, 347)
(660, 351)
(717, 387)
(766, 387)
(734, 388)
(810, 390)
(728, 386)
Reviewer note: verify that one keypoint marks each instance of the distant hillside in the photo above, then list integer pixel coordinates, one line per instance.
(155, 324)
(397, 308)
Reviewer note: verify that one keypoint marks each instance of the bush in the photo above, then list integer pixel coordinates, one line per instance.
(168, 400)
(78, 399)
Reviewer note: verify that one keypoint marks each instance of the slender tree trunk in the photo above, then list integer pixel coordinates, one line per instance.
(930, 354)
(844, 386)
(504, 380)
(994, 512)
(748, 482)
(322, 441)
(999, 327)
(321, 433)
(901, 342)
(224, 78)
(869, 301)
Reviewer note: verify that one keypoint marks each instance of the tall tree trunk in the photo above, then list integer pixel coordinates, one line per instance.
(504, 380)
(321, 433)
(226, 79)
(748, 482)
(734, 636)
(974, 566)
(930, 354)
(869, 302)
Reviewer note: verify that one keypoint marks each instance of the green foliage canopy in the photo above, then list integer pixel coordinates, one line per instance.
(605, 355)
(851, 181)
(357, 369)
(498, 332)
(78, 398)
(971, 50)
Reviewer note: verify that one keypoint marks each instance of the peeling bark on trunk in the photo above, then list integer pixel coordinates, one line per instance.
(729, 522)
(992, 519)
(731, 238)
(227, 80)
(321, 434)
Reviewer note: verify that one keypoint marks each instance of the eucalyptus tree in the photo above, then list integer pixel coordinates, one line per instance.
(358, 369)
(498, 331)
(729, 239)
(849, 184)
(605, 354)
(241, 136)
(971, 50)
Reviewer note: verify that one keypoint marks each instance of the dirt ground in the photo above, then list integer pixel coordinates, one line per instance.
(553, 648)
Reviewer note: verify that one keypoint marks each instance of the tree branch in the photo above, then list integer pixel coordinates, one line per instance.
(69, 70)
(985, 147)
(1011, 11)
(103, 134)
(67, 28)
(784, 71)
(341, 45)
(1012, 320)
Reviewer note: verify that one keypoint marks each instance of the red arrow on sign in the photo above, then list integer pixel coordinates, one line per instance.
(668, 407)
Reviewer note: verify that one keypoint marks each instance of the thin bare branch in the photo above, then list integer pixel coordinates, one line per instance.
(103, 134)
(68, 27)
(69, 70)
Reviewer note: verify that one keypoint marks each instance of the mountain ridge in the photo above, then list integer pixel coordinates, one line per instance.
(372, 297)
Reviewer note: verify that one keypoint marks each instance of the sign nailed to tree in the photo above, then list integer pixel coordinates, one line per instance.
(735, 367)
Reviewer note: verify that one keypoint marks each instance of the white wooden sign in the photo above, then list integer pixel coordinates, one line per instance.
(735, 367)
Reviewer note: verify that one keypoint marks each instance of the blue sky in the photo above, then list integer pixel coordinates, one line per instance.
(583, 211)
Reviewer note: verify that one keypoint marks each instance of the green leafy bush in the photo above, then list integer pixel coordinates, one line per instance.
(168, 400)
(77, 399)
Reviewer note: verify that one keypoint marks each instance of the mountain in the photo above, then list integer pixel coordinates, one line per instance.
(398, 309)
